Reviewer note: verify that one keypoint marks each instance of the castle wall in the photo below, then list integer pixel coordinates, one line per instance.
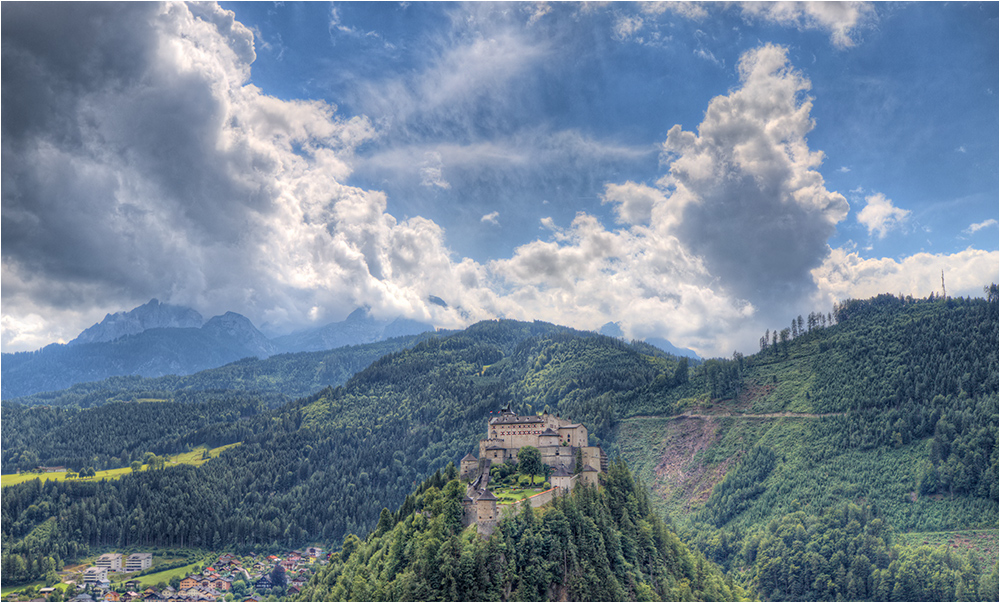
(553, 456)
(587, 477)
(486, 528)
(469, 514)
(592, 456)
(575, 435)
(564, 483)
(495, 455)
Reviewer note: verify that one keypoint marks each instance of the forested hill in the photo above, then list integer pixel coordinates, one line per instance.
(108, 424)
(591, 545)
(321, 467)
(293, 375)
(889, 402)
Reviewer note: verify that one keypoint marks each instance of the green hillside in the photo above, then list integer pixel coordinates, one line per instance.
(108, 424)
(293, 375)
(592, 545)
(896, 404)
(889, 405)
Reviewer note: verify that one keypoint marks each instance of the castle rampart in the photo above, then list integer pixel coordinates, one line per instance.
(563, 447)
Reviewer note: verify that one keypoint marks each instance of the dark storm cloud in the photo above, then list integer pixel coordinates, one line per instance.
(113, 167)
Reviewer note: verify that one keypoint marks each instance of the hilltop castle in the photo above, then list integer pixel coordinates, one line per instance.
(563, 447)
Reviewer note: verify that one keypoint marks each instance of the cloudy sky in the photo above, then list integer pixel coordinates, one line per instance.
(695, 172)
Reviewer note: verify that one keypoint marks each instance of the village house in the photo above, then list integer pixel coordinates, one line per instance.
(264, 583)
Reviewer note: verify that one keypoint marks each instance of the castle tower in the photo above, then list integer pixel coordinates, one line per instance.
(560, 478)
(468, 466)
(486, 507)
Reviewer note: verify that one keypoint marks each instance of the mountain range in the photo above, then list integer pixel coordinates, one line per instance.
(817, 468)
(157, 339)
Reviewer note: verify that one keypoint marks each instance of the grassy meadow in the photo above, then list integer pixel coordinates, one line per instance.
(194, 457)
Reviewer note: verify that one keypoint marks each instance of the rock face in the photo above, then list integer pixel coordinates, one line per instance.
(152, 315)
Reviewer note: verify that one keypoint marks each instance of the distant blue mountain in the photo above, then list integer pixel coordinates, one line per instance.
(152, 315)
(358, 328)
(666, 346)
(158, 339)
(153, 352)
(613, 329)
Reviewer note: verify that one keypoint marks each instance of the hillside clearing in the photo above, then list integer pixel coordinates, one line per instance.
(194, 457)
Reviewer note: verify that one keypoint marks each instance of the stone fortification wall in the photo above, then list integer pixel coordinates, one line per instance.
(553, 456)
(469, 513)
(592, 456)
(486, 528)
(535, 501)
(469, 467)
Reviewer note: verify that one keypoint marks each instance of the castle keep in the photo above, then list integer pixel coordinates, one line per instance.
(561, 443)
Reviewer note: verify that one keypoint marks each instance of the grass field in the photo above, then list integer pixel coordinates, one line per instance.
(185, 458)
(165, 576)
(6, 590)
(516, 494)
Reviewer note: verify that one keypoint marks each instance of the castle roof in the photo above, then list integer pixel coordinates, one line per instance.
(572, 426)
(495, 447)
(506, 419)
(468, 457)
(487, 495)
(548, 432)
(588, 468)
(560, 471)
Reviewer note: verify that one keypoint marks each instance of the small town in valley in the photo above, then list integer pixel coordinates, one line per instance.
(122, 577)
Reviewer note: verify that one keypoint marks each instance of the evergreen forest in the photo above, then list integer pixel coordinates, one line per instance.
(793, 473)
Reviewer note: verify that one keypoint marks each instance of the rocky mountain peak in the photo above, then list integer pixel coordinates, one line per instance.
(151, 315)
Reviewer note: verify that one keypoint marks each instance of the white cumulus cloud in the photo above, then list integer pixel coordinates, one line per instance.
(846, 274)
(880, 215)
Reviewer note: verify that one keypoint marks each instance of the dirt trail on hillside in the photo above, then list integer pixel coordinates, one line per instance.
(744, 415)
